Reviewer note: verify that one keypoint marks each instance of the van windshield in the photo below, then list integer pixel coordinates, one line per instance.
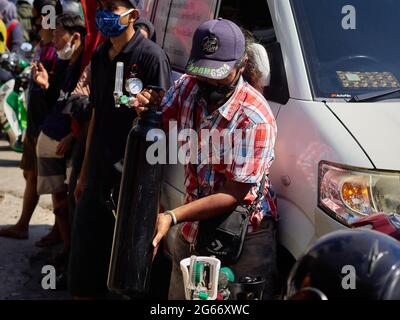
(350, 47)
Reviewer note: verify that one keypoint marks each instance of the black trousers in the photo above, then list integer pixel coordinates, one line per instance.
(92, 234)
(258, 259)
(91, 244)
(77, 156)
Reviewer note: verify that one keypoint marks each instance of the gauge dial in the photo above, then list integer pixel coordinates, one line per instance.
(134, 86)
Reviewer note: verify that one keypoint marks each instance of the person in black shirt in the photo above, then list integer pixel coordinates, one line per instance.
(55, 139)
(93, 224)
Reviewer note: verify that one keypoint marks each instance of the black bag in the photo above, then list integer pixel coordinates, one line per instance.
(223, 236)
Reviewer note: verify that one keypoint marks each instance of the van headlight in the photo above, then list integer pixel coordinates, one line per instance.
(350, 194)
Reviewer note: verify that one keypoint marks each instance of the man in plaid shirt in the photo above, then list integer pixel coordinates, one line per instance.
(213, 97)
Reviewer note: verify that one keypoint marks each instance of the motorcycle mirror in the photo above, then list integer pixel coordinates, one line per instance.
(26, 47)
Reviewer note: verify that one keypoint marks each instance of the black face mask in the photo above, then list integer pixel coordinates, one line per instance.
(215, 95)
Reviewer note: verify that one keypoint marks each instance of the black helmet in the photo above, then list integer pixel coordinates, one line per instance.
(348, 265)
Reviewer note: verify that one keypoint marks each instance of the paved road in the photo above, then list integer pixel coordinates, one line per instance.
(20, 261)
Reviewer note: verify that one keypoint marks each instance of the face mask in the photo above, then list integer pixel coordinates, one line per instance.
(108, 23)
(215, 95)
(66, 52)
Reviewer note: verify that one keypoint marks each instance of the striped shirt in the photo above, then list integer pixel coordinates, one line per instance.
(247, 119)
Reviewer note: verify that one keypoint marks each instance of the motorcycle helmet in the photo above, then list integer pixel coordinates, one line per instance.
(348, 265)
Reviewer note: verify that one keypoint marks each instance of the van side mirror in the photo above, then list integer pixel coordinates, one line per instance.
(278, 89)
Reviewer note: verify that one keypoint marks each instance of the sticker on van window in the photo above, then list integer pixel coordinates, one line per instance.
(340, 95)
(351, 79)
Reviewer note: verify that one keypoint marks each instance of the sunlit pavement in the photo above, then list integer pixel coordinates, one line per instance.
(20, 261)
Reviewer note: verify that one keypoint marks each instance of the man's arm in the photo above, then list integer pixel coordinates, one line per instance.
(85, 165)
(223, 201)
(83, 85)
(242, 174)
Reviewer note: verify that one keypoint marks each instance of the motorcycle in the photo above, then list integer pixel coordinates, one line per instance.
(14, 96)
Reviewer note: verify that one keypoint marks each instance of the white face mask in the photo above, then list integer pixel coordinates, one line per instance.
(66, 52)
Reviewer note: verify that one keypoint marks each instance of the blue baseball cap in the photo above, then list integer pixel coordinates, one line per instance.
(217, 46)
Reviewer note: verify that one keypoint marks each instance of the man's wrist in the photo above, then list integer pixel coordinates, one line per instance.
(82, 180)
(172, 215)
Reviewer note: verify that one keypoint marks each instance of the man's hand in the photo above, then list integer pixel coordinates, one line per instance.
(64, 145)
(163, 225)
(80, 186)
(148, 97)
(40, 75)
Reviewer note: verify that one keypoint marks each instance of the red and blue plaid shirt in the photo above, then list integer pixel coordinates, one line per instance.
(247, 112)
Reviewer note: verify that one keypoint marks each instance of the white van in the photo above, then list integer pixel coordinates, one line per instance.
(335, 81)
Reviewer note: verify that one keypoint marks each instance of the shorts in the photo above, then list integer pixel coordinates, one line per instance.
(51, 167)
(29, 159)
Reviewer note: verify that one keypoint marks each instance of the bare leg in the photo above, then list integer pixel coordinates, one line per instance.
(61, 210)
(30, 200)
(51, 239)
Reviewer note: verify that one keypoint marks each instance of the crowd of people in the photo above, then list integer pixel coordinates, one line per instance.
(75, 134)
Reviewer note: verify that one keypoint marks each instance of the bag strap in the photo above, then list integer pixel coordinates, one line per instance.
(259, 192)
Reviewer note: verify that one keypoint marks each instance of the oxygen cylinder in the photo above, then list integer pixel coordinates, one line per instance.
(247, 288)
(132, 252)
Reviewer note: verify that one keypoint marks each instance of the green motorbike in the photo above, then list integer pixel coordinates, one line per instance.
(13, 99)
